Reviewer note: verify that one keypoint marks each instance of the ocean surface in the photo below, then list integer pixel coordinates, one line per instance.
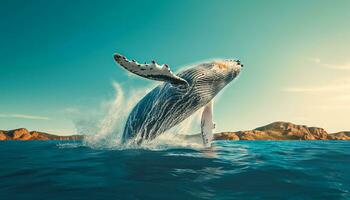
(230, 170)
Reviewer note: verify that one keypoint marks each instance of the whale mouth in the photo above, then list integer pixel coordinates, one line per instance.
(231, 75)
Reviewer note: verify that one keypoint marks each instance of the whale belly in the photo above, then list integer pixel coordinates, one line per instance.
(166, 106)
(160, 110)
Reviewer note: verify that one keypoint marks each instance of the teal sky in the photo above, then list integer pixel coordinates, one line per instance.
(57, 57)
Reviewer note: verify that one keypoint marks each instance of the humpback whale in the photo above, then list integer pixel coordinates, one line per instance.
(178, 97)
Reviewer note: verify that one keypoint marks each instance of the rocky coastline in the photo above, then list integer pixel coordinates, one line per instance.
(24, 134)
(283, 131)
(274, 131)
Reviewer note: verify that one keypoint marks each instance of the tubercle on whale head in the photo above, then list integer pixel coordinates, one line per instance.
(229, 64)
(230, 67)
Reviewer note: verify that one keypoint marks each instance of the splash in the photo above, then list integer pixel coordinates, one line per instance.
(109, 127)
(107, 130)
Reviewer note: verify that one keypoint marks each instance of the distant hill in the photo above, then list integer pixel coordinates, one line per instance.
(283, 131)
(273, 131)
(24, 134)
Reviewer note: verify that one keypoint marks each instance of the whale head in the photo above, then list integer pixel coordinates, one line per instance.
(227, 69)
(217, 73)
(208, 78)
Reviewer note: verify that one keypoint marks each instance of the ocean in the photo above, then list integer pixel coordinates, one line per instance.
(66, 170)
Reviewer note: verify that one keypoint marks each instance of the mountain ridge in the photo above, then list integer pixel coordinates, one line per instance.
(24, 134)
(281, 130)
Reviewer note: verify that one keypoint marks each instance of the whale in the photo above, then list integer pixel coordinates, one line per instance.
(177, 97)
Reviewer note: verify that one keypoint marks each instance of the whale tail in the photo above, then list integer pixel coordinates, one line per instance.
(151, 70)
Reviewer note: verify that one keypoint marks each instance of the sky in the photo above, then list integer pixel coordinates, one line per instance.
(57, 58)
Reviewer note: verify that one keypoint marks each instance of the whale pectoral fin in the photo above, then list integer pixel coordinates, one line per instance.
(151, 71)
(207, 124)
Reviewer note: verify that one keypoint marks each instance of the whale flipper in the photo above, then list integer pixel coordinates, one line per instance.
(207, 124)
(151, 71)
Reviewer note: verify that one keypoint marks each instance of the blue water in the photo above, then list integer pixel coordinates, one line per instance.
(232, 170)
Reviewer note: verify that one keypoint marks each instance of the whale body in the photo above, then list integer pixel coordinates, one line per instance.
(172, 102)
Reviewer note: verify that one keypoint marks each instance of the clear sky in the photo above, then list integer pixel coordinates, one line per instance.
(57, 57)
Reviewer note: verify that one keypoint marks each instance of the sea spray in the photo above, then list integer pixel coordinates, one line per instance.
(109, 128)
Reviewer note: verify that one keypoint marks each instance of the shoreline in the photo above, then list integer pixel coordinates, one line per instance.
(273, 131)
